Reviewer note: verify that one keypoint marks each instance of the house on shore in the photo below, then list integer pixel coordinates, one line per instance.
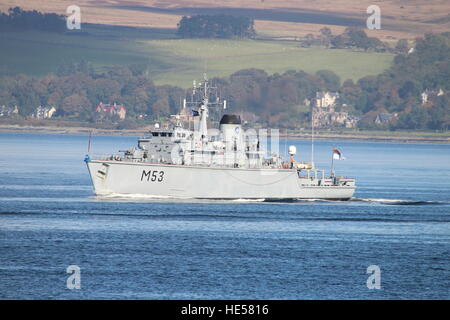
(429, 94)
(326, 100)
(325, 114)
(7, 112)
(351, 122)
(385, 118)
(43, 112)
(108, 110)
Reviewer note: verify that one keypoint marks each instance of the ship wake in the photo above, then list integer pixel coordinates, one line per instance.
(134, 196)
(401, 202)
(146, 197)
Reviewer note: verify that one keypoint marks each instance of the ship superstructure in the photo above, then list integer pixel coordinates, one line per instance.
(194, 161)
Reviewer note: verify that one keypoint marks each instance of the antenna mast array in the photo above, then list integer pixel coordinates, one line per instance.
(204, 95)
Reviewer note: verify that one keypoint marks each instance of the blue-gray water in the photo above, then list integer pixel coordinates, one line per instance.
(160, 249)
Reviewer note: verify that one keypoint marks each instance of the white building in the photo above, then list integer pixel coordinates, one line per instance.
(427, 94)
(326, 99)
(6, 111)
(44, 112)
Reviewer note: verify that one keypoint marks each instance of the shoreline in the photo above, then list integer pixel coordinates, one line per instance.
(360, 136)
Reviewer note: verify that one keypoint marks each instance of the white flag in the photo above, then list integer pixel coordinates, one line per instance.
(337, 155)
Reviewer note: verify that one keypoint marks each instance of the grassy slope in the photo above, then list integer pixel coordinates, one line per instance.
(223, 57)
(37, 53)
(176, 61)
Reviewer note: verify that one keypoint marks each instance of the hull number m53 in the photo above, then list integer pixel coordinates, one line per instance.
(153, 176)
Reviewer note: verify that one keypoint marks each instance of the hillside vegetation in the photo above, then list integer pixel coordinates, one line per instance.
(273, 81)
(275, 99)
(169, 60)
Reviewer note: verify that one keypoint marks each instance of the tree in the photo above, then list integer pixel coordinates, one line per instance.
(350, 94)
(216, 26)
(409, 89)
(77, 106)
(331, 80)
(160, 108)
(402, 46)
(418, 118)
(356, 37)
(440, 113)
(326, 36)
(341, 41)
(104, 90)
(19, 19)
(309, 40)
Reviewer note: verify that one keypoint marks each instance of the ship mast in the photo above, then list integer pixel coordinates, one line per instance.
(204, 111)
(202, 102)
(312, 136)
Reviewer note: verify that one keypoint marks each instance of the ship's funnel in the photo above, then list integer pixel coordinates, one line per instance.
(231, 128)
(230, 119)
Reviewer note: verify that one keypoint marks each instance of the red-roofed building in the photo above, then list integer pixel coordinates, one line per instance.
(110, 110)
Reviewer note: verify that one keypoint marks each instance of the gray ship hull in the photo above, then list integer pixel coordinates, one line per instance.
(181, 181)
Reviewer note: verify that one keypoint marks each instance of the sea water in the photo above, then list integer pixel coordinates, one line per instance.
(150, 248)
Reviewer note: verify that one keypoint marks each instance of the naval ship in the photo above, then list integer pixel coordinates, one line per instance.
(186, 159)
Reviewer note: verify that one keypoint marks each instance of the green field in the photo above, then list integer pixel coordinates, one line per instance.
(176, 61)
